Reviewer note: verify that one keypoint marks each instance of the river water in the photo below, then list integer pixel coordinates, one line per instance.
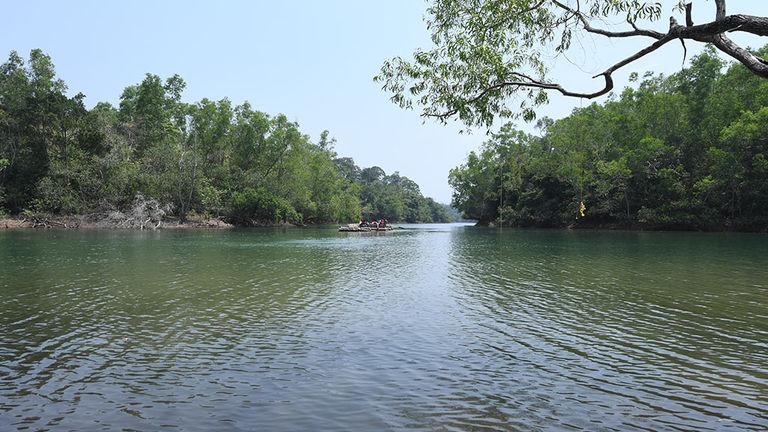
(436, 327)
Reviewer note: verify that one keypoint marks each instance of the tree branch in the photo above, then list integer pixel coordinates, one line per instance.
(525, 81)
(520, 12)
(742, 23)
(720, 12)
(688, 17)
(752, 62)
(588, 27)
(711, 32)
(643, 52)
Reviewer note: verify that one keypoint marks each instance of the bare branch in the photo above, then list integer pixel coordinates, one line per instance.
(643, 52)
(720, 13)
(688, 17)
(754, 63)
(685, 52)
(711, 32)
(742, 23)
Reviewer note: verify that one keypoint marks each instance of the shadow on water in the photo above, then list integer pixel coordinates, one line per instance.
(436, 327)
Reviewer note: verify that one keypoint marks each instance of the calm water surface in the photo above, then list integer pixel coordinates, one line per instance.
(433, 328)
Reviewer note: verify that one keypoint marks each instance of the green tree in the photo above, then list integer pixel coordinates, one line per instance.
(492, 58)
(206, 157)
(647, 158)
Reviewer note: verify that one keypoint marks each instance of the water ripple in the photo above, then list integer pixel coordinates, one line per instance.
(430, 328)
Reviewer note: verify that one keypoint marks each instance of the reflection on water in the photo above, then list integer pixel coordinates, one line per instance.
(433, 328)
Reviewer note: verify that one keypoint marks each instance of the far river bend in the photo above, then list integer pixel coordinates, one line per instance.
(433, 328)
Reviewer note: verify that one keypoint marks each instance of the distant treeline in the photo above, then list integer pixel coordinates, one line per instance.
(209, 158)
(688, 151)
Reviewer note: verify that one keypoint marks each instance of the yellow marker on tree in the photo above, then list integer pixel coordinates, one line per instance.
(582, 209)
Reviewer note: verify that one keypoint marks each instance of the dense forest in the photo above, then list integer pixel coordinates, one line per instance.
(687, 151)
(205, 158)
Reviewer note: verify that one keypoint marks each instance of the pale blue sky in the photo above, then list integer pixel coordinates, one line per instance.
(312, 60)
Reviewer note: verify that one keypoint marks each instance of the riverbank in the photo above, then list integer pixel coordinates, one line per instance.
(96, 222)
(617, 226)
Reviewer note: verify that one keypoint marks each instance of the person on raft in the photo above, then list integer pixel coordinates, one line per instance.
(381, 223)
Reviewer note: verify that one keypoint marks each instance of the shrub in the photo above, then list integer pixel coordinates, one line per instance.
(257, 206)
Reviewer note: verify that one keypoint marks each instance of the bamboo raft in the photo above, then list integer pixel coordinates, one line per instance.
(357, 228)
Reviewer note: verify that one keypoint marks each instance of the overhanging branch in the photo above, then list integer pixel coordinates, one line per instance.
(712, 32)
(588, 27)
(755, 64)
(526, 81)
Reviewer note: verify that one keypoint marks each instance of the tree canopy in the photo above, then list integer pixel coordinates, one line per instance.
(491, 58)
(688, 151)
(207, 157)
